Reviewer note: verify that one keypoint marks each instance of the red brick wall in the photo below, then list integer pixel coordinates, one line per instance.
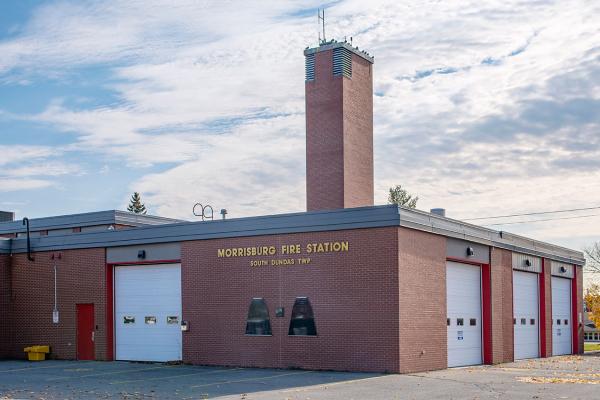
(81, 279)
(339, 136)
(324, 137)
(502, 306)
(422, 307)
(358, 135)
(5, 326)
(354, 296)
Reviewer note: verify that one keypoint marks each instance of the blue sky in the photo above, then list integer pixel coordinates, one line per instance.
(484, 109)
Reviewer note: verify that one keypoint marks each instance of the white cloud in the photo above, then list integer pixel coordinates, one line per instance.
(12, 185)
(21, 153)
(482, 108)
(52, 168)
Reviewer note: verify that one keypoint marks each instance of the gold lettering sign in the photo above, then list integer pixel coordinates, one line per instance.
(287, 251)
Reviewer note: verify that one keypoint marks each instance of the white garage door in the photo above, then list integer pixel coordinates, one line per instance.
(148, 312)
(561, 316)
(526, 314)
(463, 292)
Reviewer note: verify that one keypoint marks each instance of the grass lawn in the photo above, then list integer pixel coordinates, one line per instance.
(591, 346)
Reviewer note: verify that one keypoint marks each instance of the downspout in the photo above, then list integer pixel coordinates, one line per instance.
(26, 222)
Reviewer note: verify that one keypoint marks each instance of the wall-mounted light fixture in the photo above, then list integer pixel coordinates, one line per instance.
(563, 269)
(470, 251)
(528, 263)
(141, 254)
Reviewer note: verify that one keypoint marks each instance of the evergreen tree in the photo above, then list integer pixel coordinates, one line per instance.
(402, 198)
(136, 205)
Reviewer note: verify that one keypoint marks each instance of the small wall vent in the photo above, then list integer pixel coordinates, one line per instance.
(438, 211)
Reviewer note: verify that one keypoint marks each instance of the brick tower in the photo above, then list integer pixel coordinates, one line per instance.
(339, 127)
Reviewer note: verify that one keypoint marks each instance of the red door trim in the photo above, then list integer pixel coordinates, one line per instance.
(575, 312)
(486, 306)
(486, 310)
(543, 317)
(110, 300)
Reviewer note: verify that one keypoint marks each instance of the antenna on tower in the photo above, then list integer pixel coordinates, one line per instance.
(321, 20)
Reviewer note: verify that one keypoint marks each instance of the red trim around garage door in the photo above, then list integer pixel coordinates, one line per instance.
(575, 312)
(110, 301)
(486, 306)
(543, 323)
(486, 309)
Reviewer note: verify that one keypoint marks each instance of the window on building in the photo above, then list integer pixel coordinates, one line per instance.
(258, 322)
(558, 322)
(473, 322)
(532, 321)
(566, 322)
(460, 321)
(523, 321)
(303, 319)
(448, 321)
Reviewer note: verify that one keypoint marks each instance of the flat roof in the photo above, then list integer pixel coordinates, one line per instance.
(333, 44)
(109, 217)
(313, 221)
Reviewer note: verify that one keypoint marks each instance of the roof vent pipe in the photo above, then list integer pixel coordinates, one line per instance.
(439, 211)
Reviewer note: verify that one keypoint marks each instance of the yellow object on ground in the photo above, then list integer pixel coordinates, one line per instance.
(36, 353)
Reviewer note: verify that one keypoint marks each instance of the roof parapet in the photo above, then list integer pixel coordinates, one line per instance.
(333, 44)
(315, 221)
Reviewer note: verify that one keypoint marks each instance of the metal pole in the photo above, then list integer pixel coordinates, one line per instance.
(324, 39)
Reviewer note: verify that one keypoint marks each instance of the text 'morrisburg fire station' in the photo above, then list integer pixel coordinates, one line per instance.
(344, 286)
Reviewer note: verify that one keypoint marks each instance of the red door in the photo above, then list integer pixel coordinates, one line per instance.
(85, 332)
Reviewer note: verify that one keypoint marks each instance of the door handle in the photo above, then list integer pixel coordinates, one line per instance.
(93, 335)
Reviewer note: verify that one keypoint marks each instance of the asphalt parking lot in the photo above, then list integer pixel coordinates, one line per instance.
(569, 377)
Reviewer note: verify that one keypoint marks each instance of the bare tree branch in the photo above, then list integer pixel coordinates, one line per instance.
(592, 255)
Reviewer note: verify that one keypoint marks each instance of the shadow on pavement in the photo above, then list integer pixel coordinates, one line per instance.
(96, 379)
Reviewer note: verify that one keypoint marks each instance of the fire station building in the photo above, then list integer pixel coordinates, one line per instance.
(346, 285)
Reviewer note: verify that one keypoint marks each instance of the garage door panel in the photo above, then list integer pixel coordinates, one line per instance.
(561, 316)
(145, 298)
(526, 314)
(463, 285)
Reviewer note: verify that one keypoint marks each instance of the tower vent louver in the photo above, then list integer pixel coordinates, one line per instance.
(310, 67)
(342, 62)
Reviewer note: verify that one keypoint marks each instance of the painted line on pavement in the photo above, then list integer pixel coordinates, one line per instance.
(251, 379)
(46, 367)
(176, 376)
(109, 373)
